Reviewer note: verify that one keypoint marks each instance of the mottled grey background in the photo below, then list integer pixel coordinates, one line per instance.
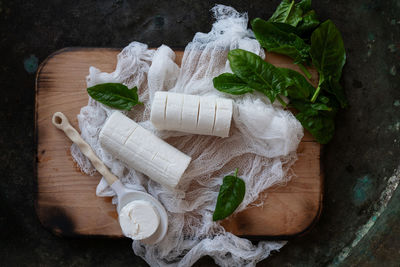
(357, 163)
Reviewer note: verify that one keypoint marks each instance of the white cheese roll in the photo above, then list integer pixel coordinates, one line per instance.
(141, 150)
(191, 114)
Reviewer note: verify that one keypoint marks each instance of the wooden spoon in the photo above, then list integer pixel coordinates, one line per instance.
(124, 195)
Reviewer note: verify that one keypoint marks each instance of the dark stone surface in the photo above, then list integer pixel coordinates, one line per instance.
(364, 152)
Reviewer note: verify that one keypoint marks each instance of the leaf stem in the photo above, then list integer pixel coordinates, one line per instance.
(283, 103)
(288, 13)
(316, 93)
(304, 70)
(236, 172)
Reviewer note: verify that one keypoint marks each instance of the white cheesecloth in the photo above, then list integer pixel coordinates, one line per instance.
(262, 144)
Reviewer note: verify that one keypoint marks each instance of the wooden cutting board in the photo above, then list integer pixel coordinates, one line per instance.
(66, 200)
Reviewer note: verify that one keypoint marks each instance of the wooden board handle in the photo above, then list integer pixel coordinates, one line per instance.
(61, 122)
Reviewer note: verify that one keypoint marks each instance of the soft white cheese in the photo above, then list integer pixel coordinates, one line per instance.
(139, 219)
(191, 113)
(141, 150)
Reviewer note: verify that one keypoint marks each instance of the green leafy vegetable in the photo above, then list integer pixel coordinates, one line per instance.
(317, 118)
(288, 12)
(327, 50)
(328, 56)
(288, 32)
(309, 22)
(305, 5)
(257, 73)
(297, 87)
(285, 27)
(338, 91)
(231, 194)
(251, 73)
(115, 95)
(281, 33)
(298, 15)
(276, 40)
(231, 84)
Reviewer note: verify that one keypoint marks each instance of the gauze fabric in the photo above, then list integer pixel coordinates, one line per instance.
(262, 144)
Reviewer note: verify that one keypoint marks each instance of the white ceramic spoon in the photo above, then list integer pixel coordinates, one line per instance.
(124, 194)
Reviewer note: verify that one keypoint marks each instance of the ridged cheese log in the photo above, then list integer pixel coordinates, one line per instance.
(143, 151)
(191, 113)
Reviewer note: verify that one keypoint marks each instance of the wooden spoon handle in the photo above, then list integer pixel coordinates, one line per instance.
(61, 122)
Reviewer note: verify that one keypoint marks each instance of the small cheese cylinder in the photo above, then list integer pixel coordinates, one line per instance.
(141, 150)
(191, 114)
(190, 111)
(206, 118)
(223, 114)
(157, 115)
(173, 110)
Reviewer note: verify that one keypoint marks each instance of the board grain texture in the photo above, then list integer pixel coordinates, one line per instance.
(66, 201)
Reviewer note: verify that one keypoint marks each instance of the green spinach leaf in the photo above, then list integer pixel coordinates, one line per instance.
(231, 84)
(251, 73)
(297, 87)
(328, 56)
(231, 194)
(286, 27)
(288, 12)
(298, 15)
(337, 90)
(327, 50)
(275, 40)
(322, 127)
(308, 23)
(258, 74)
(115, 95)
(281, 34)
(317, 118)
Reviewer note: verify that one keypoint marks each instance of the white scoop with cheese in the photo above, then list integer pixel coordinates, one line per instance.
(141, 216)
